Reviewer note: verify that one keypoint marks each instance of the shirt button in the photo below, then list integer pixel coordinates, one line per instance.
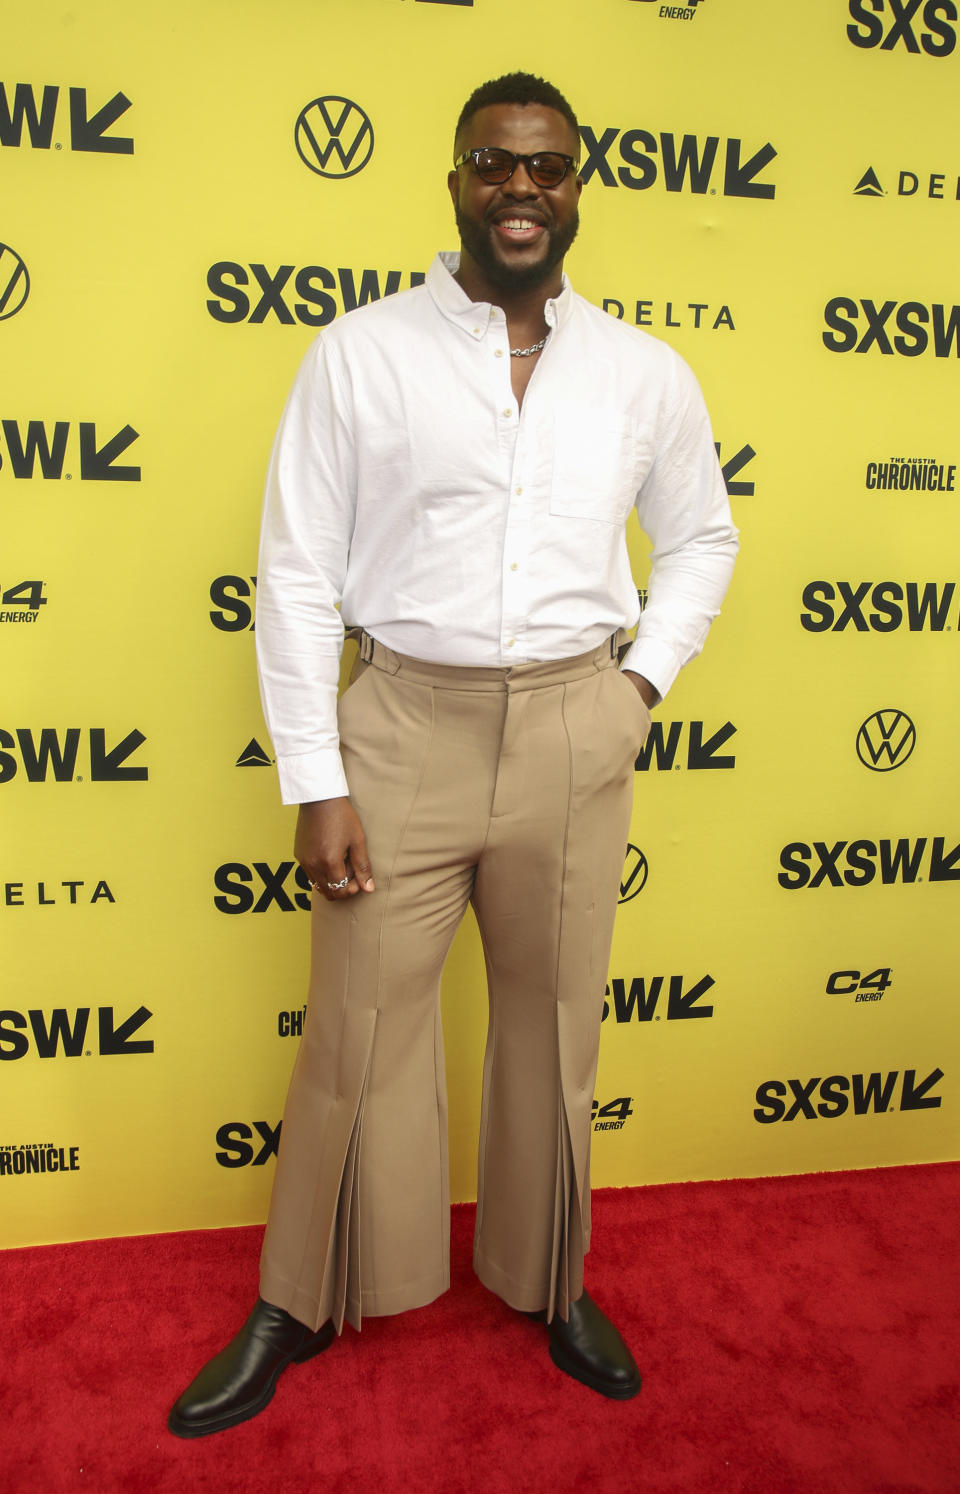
(511, 642)
(508, 413)
(513, 566)
(498, 353)
(476, 331)
(518, 490)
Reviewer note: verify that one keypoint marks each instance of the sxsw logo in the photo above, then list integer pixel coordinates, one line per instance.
(58, 1031)
(732, 467)
(857, 863)
(779, 1100)
(908, 185)
(257, 889)
(234, 610)
(30, 443)
(87, 131)
(885, 740)
(14, 282)
(891, 24)
(919, 328)
(639, 1000)
(48, 752)
(877, 607)
(685, 162)
(661, 750)
(234, 1138)
(322, 294)
(333, 136)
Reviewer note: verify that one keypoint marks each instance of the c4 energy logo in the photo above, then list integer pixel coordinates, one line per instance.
(917, 26)
(907, 328)
(21, 603)
(685, 163)
(30, 444)
(913, 474)
(862, 986)
(14, 282)
(613, 1114)
(234, 1138)
(57, 1032)
(87, 131)
(323, 294)
(637, 1001)
(633, 878)
(48, 753)
(42, 1157)
(857, 863)
(253, 756)
(885, 740)
(334, 136)
(779, 1100)
(660, 751)
(877, 607)
(675, 12)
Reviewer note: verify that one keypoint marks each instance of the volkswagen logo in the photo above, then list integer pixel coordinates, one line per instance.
(333, 136)
(14, 282)
(633, 878)
(885, 740)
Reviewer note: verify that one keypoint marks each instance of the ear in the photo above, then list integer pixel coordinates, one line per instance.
(453, 186)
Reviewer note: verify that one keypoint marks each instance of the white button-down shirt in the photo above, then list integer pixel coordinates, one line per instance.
(409, 494)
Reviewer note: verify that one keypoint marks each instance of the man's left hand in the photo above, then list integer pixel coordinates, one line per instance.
(648, 693)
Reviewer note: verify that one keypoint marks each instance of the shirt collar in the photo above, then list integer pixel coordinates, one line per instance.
(474, 316)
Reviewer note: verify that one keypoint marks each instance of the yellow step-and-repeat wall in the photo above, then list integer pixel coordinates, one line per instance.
(189, 193)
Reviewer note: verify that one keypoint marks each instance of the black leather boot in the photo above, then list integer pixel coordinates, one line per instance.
(240, 1380)
(588, 1347)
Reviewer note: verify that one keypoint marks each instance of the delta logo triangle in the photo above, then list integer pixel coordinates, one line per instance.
(868, 185)
(253, 756)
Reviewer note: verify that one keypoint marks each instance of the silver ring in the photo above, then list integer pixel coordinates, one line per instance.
(338, 886)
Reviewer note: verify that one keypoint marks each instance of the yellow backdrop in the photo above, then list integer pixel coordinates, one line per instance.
(189, 192)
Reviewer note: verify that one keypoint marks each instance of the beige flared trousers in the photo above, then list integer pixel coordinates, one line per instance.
(510, 789)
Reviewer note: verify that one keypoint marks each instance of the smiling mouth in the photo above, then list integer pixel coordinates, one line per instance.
(519, 230)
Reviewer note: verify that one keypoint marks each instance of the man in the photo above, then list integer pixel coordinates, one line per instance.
(451, 477)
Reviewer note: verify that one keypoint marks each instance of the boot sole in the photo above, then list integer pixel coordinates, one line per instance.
(181, 1428)
(594, 1382)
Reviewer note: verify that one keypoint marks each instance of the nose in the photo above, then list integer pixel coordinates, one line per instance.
(521, 183)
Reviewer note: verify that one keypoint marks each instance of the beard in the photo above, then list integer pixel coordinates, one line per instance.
(475, 235)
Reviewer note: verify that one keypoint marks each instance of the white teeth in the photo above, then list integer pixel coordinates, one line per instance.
(517, 223)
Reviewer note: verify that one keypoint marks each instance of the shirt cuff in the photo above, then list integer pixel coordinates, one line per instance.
(312, 775)
(655, 660)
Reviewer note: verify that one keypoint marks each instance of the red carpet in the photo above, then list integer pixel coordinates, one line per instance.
(796, 1334)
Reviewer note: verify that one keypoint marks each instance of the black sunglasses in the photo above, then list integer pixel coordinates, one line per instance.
(547, 168)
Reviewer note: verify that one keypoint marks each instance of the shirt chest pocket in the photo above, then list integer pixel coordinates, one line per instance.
(598, 468)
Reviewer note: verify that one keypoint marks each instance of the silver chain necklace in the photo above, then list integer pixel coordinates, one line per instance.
(529, 352)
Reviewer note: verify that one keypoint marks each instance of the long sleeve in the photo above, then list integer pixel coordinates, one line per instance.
(683, 507)
(308, 519)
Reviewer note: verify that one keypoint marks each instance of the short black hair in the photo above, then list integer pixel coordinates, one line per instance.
(516, 88)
